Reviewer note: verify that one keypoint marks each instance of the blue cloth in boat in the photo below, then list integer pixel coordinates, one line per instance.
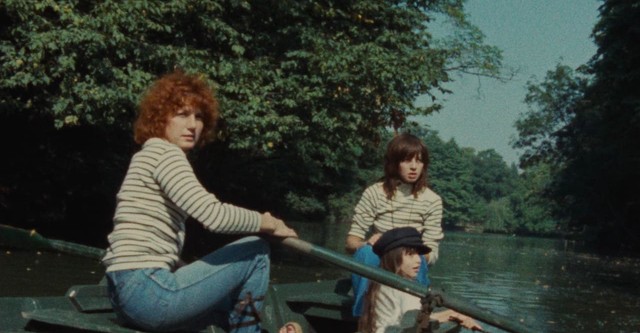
(360, 284)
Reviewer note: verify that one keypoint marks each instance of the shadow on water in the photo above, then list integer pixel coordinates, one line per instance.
(540, 282)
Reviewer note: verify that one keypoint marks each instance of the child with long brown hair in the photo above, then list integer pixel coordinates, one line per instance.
(399, 251)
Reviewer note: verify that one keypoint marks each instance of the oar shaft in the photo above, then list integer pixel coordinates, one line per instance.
(30, 239)
(349, 264)
(77, 249)
(392, 280)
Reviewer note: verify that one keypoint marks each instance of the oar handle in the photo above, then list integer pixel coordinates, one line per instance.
(387, 278)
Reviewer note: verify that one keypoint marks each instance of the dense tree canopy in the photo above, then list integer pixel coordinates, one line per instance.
(584, 131)
(306, 88)
(604, 160)
(552, 106)
(312, 71)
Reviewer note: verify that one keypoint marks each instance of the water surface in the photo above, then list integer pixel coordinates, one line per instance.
(546, 284)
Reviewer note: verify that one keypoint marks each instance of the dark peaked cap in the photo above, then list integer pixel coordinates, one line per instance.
(395, 238)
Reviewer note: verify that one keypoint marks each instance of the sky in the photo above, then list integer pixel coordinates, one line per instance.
(534, 36)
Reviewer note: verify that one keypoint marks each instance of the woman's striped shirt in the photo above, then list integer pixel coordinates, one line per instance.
(159, 192)
(375, 213)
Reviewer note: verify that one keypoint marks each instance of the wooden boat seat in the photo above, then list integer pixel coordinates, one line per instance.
(92, 322)
(91, 311)
(340, 296)
(89, 298)
(327, 299)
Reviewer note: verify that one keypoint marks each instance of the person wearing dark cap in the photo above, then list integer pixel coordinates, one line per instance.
(400, 251)
(401, 199)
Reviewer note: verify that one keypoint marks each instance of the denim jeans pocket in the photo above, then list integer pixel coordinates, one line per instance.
(162, 277)
(139, 298)
(128, 286)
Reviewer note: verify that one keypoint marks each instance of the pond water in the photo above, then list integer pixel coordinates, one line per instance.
(44, 273)
(545, 284)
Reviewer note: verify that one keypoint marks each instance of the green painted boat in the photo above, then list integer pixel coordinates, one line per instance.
(317, 306)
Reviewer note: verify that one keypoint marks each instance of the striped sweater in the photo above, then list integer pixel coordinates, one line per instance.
(159, 192)
(375, 213)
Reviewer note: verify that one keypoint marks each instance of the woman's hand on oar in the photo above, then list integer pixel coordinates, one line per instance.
(275, 227)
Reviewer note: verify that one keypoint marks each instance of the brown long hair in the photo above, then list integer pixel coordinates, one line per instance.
(391, 262)
(166, 96)
(401, 148)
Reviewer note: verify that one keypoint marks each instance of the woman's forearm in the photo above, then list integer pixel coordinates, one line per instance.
(353, 243)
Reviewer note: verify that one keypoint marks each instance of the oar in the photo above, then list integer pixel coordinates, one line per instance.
(387, 278)
(30, 239)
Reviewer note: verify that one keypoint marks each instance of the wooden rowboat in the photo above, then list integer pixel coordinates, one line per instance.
(318, 306)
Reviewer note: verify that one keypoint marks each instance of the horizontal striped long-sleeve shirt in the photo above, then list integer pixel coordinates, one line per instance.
(159, 192)
(375, 213)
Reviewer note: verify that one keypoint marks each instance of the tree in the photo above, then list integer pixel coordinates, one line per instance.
(543, 134)
(492, 178)
(534, 211)
(586, 133)
(552, 105)
(306, 87)
(450, 175)
(602, 142)
(498, 216)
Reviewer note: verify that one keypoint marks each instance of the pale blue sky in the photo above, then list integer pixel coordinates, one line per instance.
(534, 36)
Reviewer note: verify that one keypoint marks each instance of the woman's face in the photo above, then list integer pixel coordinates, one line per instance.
(411, 169)
(184, 128)
(410, 265)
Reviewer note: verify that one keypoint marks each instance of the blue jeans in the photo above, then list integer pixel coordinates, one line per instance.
(360, 284)
(209, 291)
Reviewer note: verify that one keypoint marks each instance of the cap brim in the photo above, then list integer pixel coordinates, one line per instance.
(417, 244)
(423, 249)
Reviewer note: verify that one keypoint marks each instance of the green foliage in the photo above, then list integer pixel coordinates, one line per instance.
(306, 87)
(533, 211)
(481, 192)
(450, 175)
(492, 178)
(598, 184)
(552, 106)
(285, 70)
(584, 132)
(543, 134)
(498, 216)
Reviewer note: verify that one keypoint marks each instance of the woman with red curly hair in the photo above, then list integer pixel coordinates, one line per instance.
(148, 285)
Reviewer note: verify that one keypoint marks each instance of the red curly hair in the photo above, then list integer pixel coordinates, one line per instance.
(169, 94)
